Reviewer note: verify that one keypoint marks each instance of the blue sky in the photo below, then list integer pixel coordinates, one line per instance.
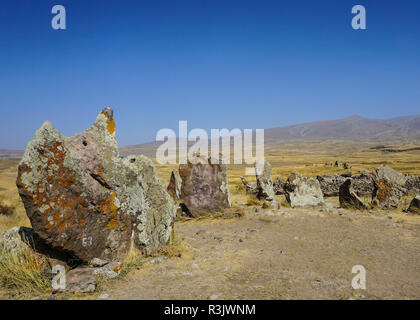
(216, 63)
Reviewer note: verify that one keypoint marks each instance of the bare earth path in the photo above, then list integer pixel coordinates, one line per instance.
(286, 254)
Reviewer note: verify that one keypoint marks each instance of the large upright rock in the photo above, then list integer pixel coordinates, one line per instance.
(415, 205)
(79, 194)
(204, 186)
(349, 199)
(303, 191)
(264, 180)
(153, 225)
(389, 187)
(175, 184)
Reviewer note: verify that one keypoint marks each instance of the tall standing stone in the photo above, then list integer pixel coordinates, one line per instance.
(302, 192)
(204, 186)
(80, 196)
(389, 187)
(415, 205)
(264, 180)
(153, 225)
(349, 199)
(175, 184)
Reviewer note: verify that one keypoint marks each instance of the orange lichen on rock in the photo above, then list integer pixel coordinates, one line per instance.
(110, 123)
(108, 206)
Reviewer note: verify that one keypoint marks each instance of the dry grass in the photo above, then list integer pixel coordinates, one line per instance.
(22, 276)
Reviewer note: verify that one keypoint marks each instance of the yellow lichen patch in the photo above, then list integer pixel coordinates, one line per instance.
(110, 124)
(108, 206)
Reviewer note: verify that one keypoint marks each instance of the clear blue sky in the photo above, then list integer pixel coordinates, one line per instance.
(216, 63)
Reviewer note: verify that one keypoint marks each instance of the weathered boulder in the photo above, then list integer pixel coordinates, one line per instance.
(175, 184)
(389, 187)
(415, 205)
(349, 199)
(412, 183)
(303, 191)
(278, 186)
(152, 225)
(80, 196)
(264, 180)
(204, 186)
(25, 246)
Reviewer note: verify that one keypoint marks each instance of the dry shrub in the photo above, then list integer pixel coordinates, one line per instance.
(252, 201)
(6, 210)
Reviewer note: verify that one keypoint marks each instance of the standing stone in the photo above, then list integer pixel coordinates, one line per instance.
(175, 184)
(154, 224)
(79, 194)
(249, 186)
(264, 180)
(302, 192)
(278, 186)
(415, 205)
(349, 199)
(389, 187)
(204, 186)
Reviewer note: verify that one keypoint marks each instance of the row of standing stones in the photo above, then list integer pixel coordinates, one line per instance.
(385, 185)
(87, 205)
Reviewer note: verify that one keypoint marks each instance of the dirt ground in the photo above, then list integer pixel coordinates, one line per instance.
(285, 254)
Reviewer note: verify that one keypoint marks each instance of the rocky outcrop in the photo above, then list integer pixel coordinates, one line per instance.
(204, 186)
(415, 205)
(175, 184)
(265, 189)
(154, 223)
(302, 192)
(330, 184)
(348, 197)
(389, 187)
(82, 198)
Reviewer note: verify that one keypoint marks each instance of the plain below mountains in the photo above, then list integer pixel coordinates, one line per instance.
(353, 128)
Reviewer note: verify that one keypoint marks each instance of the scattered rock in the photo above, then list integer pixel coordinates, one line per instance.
(195, 266)
(301, 192)
(80, 280)
(214, 297)
(104, 296)
(415, 205)
(349, 199)
(204, 186)
(330, 184)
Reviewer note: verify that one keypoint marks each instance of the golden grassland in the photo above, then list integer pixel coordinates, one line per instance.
(307, 158)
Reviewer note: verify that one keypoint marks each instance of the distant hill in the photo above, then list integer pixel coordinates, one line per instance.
(353, 128)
